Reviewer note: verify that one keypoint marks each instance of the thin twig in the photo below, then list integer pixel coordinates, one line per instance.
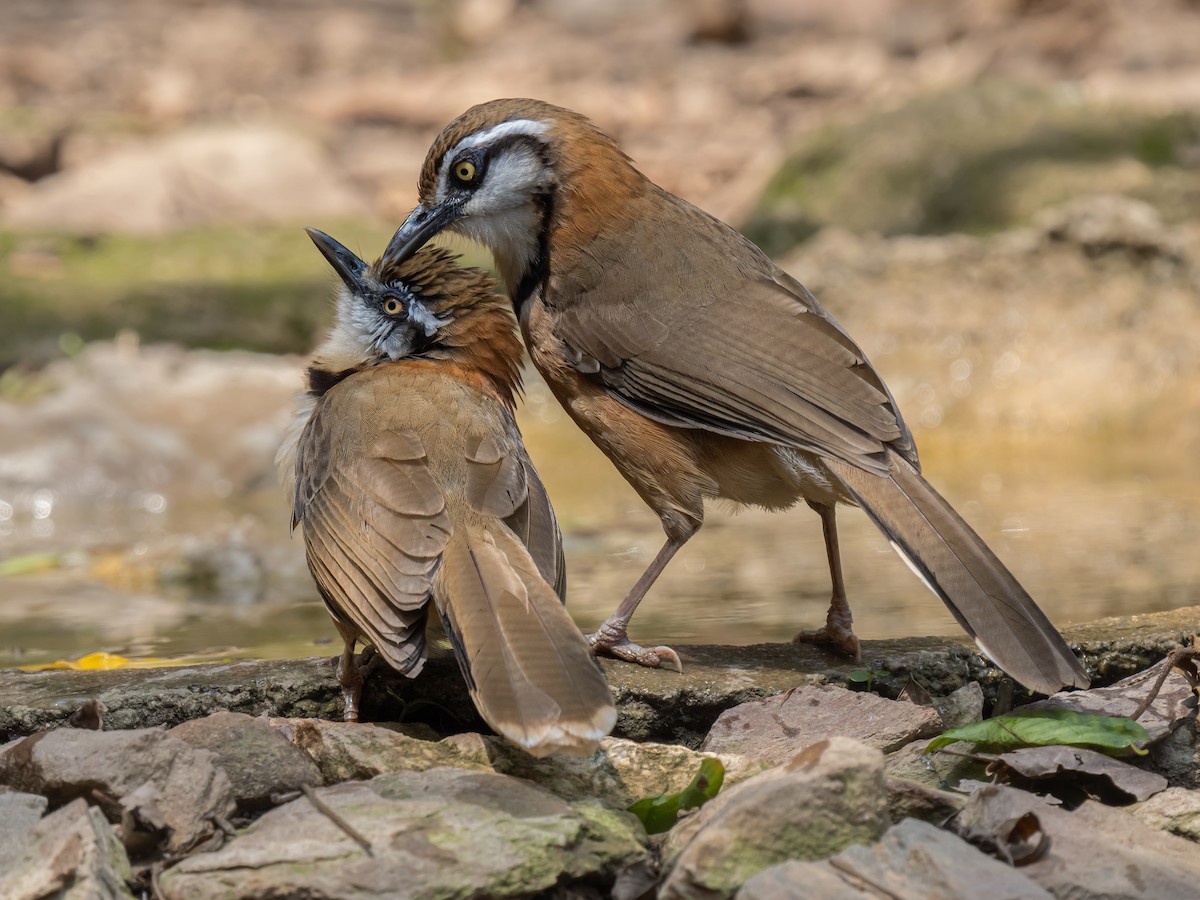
(1174, 658)
(859, 879)
(337, 820)
(155, 886)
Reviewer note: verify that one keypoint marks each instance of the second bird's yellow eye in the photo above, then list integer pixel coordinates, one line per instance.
(392, 306)
(464, 170)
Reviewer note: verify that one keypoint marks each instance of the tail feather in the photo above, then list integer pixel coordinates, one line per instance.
(529, 669)
(958, 566)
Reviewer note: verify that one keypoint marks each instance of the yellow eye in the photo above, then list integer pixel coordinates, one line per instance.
(464, 170)
(392, 306)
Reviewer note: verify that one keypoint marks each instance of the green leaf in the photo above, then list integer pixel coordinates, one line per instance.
(30, 562)
(866, 677)
(1046, 727)
(660, 813)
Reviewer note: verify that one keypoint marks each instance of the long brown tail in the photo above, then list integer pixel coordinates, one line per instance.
(530, 670)
(960, 568)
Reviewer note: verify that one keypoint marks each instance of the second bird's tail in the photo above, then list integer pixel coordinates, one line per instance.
(530, 670)
(960, 568)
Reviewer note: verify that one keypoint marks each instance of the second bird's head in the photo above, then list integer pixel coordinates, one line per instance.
(423, 305)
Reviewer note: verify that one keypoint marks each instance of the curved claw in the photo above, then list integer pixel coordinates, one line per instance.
(650, 657)
(610, 639)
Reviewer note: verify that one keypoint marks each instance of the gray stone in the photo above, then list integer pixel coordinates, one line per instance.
(71, 854)
(821, 801)
(1176, 810)
(1094, 852)
(443, 833)
(913, 861)
(258, 759)
(19, 812)
(170, 787)
(942, 770)
(913, 800)
(775, 729)
(618, 773)
(961, 707)
(356, 750)
(1177, 756)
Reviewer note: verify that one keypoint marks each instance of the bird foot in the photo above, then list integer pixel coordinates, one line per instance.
(352, 674)
(610, 639)
(834, 633)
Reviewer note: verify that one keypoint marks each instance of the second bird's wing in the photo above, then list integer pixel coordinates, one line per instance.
(375, 526)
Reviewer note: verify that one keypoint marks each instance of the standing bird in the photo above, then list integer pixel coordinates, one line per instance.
(701, 369)
(411, 484)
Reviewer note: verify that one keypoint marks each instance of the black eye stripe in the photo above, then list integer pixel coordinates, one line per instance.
(482, 156)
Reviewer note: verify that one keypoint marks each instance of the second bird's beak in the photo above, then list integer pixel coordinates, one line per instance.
(344, 261)
(422, 224)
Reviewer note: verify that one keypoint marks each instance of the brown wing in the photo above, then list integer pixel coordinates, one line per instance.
(762, 361)
(502, 482)
(375, 526)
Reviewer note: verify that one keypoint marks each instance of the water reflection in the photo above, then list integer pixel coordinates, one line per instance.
(162, 572)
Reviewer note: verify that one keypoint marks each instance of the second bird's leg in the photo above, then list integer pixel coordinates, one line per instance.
(611, 638)
(837, 630)
(352, 673)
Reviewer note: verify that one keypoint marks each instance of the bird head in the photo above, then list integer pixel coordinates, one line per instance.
(423, 305)
(379, 315)
(504, 174)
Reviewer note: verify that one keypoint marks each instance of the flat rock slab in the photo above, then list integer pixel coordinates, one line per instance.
(1094, 852)
(442, 833)
(344, 751)
(776, 728)
(171, 789)
(652, 704)
(914, 861)
(258, 760)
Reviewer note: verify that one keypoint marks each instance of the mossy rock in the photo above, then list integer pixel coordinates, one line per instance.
(977, 159)
(246, 287)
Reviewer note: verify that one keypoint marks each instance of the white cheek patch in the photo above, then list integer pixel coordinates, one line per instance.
(512, 178)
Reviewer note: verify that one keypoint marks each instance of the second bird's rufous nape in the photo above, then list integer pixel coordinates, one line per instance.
(703, 370)
(413, 490)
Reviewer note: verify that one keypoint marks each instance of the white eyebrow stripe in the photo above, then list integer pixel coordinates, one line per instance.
(529, 127)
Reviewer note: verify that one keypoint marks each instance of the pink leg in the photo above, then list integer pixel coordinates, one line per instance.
(611, 638)
(837, 630)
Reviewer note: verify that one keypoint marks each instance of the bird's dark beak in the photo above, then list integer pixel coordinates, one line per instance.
(422, 224)
(344, 262)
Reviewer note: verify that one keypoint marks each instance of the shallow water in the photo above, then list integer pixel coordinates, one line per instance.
(1090, 533)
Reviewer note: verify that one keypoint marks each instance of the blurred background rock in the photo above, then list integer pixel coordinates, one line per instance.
(999, 198)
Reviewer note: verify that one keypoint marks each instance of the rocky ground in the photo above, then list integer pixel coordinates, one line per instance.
(233, 781)
(998, 198)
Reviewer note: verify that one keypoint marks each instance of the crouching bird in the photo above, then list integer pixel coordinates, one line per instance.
(412, 487)
(703, 370)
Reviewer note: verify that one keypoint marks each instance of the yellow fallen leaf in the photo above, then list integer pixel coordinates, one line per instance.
(94, 662)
